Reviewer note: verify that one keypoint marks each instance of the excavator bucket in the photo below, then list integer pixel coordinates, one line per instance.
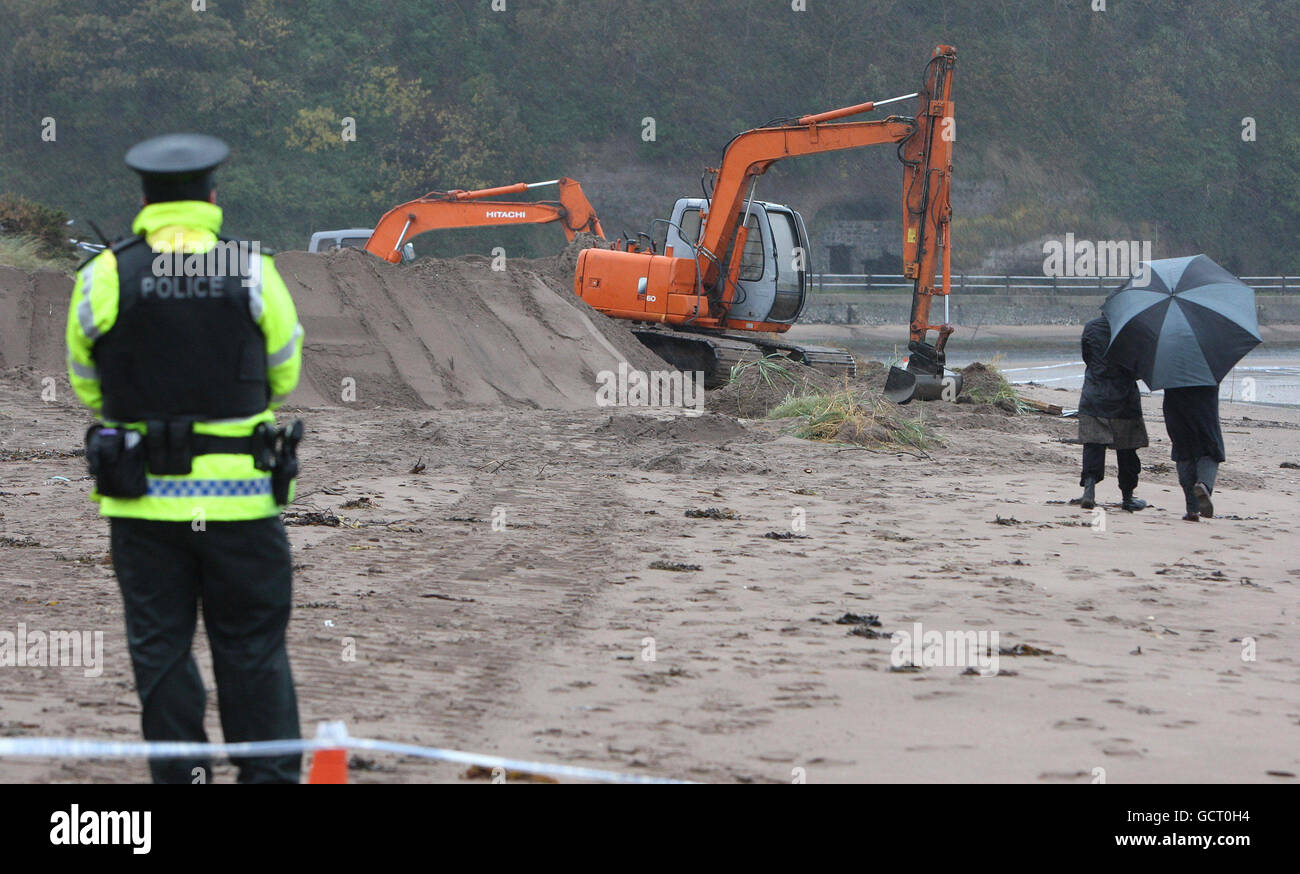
(902, 386)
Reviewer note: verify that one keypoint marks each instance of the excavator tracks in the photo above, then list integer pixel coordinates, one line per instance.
(716, 354)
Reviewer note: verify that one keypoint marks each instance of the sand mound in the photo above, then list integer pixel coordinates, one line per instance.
(982, 383)
(436, 333)
(449, 333)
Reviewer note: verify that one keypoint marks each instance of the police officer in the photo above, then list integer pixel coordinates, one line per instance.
(183, 357)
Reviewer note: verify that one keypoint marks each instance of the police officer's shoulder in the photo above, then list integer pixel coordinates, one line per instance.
(114, 248)
(125, 242)
(86, 261)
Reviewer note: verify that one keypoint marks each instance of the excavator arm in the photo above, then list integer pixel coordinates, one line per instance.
(926, 153)
(927, 227)
(439, 210)
(749, 156)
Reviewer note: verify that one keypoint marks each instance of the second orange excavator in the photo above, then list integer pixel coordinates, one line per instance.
(441, 210)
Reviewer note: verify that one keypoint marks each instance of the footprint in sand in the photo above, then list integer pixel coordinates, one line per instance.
(1120, 746)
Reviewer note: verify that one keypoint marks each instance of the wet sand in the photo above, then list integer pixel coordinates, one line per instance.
(531, 641)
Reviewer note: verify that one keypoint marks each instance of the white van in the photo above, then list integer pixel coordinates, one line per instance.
(350, 238)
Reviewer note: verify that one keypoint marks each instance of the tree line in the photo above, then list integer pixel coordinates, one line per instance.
(1171, 119)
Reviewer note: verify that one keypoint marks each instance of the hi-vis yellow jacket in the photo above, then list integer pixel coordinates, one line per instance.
(220, 487)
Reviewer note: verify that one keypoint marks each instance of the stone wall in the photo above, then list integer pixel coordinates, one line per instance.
(865, 241)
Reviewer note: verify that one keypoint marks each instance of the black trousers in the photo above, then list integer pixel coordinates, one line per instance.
(1094, 465)
(241, 573)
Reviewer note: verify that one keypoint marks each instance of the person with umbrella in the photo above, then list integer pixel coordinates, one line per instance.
(1110, 415)
(1181, 328)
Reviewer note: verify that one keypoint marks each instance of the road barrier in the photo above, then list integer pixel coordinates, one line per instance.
(828, 283)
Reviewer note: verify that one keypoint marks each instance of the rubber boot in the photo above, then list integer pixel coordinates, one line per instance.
(1131, 503)
(1193, 509)
(1089, 499)
(1203, 504)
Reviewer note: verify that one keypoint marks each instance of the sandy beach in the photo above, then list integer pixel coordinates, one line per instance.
(548, 635)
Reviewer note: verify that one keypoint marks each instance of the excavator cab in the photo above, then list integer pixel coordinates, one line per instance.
(772, 281)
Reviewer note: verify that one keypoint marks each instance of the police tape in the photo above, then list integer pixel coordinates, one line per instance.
(329, 736)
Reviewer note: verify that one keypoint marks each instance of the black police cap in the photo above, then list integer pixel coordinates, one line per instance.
(180, 155)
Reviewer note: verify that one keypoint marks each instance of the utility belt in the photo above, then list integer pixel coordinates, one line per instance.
(120, 459)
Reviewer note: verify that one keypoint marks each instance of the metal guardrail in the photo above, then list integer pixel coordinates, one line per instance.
(830, 283)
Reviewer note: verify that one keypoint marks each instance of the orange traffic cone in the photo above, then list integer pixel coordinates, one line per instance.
(329, 765)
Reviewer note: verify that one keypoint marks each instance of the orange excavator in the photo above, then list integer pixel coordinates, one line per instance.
(733, 272)
(439, 210)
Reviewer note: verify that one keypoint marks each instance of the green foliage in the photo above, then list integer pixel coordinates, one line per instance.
(771, 370)
(849, 416)
(27, 253)
(1118, 124)
(315, 130)
(43, 226)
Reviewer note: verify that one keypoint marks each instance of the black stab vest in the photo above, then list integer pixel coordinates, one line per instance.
(182, 347)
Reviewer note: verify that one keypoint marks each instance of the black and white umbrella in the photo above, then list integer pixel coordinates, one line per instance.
(1186, 322)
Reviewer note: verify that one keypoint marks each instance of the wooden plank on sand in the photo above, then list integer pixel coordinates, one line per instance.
(1041, 406)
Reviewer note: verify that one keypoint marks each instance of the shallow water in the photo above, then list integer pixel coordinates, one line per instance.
(1266, 376)
(1049, 356)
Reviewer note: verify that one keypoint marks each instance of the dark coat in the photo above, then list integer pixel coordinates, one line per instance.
(1109, 391)
(1192, 420)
